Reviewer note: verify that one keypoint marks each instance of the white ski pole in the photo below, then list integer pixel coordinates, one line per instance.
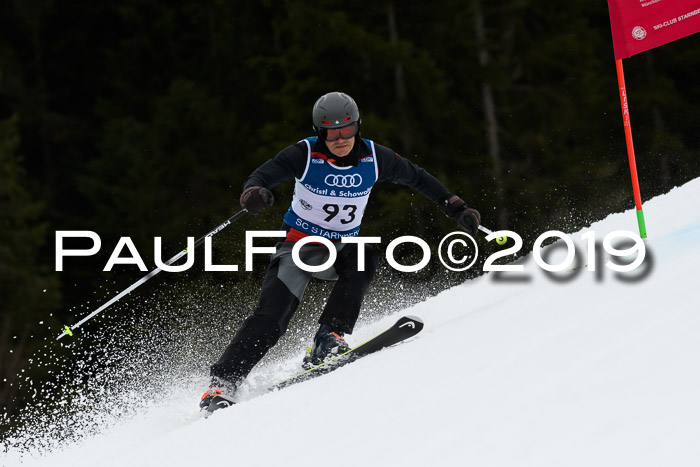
(68, 331)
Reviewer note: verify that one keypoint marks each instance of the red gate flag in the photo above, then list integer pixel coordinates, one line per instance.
(640, 25)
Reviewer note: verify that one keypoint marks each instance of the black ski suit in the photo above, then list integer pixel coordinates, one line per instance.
(285, 283)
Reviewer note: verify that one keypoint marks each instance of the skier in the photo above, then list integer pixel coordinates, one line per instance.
(334, 172)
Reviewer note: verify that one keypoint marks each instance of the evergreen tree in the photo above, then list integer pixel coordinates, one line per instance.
(28, 289)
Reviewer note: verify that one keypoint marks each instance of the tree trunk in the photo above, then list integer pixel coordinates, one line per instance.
(401, 107)
(660, 137)
(491, 120)
(399, 83)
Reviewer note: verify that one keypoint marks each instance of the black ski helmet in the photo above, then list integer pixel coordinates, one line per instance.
(335, 110)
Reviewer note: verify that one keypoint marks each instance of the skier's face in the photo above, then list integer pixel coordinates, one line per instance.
(341, 147)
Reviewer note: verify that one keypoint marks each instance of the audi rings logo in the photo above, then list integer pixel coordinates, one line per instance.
(344, 181)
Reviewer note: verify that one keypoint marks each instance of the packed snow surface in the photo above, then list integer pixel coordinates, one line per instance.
(587, 368)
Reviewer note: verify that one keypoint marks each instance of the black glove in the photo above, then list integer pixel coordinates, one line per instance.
(469, 219)
(256, 198)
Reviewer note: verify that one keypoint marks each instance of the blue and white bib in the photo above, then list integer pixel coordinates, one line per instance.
(329, 201)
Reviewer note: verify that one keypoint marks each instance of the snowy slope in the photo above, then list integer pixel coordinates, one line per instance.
(594, 370)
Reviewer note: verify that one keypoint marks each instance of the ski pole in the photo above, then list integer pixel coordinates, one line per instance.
(499, 240)
(69, 330)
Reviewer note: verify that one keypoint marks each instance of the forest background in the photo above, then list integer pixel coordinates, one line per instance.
(144, 118)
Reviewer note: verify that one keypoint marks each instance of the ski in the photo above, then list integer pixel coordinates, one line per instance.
(404, 328)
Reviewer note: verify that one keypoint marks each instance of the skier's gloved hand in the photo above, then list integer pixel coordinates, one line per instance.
(469, 219)
(256, 198)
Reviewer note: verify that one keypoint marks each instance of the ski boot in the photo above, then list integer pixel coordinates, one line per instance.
(214, 399)
(327, 345)
(208, 396)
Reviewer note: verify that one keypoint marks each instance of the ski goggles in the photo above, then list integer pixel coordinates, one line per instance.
(334, 134)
